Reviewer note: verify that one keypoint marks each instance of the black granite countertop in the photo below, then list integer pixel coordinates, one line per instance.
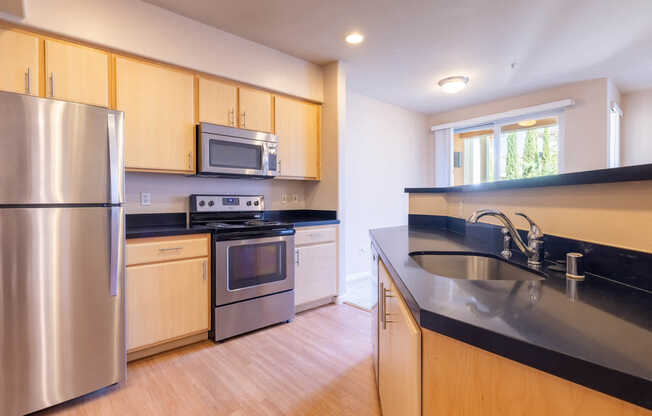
(166, 224)
(601, 339)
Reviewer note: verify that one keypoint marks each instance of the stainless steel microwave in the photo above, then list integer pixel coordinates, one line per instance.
(233, 152)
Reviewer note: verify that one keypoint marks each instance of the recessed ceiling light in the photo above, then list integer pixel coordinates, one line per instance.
(354, 38)
(527, 123)
(451, 85)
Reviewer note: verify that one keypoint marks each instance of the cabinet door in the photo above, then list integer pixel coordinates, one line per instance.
(399, 354)
(315, 273)
(159, 116)
(166, 301)
(255, 110)
(20, 62)
(217, 102)
(298, 128)
(76, 73)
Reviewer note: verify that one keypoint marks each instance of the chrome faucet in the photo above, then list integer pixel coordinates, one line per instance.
(534, 248)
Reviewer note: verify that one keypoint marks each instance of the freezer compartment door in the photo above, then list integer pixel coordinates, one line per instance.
(54, 152)
(61, 304)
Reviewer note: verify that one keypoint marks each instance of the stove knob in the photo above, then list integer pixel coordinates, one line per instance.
(211, 203)
(202, 203)
(248, 203)
(256, 203)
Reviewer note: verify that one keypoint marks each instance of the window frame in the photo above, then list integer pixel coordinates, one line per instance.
(497, 135)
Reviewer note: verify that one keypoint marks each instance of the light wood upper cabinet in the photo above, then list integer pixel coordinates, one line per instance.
(19, 59)
(159, 116)
(298, 129)
(255, 109)
(399, 349)
(76, 73)
(166, 300)
(217, 102)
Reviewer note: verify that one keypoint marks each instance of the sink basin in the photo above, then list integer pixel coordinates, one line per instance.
(471, 267)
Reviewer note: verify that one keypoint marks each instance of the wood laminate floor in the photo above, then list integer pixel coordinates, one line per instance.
(319, 364)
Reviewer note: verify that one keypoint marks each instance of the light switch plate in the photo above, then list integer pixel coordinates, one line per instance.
(145, 199)
(284, 198)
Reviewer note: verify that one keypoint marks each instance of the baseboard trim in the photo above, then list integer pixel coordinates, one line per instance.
(166, 346)
(315, 304)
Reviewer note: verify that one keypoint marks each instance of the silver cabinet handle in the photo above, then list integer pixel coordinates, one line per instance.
(381, 306)
(297, 255)
(190, 160)
(232, 117)
(28, 83)
(385, 295)
(164, 249)
(244, 119)
(204, 269)
(278, 166)
(51, 84)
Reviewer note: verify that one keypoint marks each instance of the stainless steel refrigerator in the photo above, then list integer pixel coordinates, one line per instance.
(61, 251)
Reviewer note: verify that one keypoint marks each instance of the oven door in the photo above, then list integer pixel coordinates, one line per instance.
(246, 269)
(231, 155)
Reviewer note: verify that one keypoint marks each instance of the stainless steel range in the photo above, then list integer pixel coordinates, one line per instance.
(253, 279)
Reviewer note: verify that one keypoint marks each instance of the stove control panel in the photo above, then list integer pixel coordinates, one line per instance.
(226, 203)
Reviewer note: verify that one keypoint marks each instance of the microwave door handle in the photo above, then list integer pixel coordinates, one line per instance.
(265, 155)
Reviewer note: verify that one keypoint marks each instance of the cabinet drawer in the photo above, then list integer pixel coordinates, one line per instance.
(314, 235)
(150, 250)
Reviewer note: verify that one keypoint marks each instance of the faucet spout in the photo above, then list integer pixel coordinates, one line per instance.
(534, 247)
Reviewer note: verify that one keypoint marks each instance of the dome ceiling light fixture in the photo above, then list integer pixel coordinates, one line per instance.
(527, 123)
(452, 85)
(354, 38)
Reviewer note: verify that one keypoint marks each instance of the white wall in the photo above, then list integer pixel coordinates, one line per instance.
(149, 31)
(585, 134)
(636, 128)
(387, 149)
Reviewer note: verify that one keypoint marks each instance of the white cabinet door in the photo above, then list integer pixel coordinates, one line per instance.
(315, 273)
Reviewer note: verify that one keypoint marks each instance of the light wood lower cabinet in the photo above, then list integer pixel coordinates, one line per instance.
(422, 372)
(459, 379)
(167, 299)
(315, 276)
(399, 352)
(19, 59)
(159, 116)
(76, 73)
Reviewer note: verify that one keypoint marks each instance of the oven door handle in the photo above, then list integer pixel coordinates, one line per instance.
(249, 235)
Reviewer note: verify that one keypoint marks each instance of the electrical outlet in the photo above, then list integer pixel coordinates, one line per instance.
(145, 199)
(284, 198)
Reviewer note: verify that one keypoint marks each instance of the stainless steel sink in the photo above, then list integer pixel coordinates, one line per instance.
(471, 267)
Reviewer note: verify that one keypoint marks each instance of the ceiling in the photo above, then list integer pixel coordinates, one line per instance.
(411, 44)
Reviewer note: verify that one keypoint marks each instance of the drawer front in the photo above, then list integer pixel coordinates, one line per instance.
(315, 235)
(151, 250)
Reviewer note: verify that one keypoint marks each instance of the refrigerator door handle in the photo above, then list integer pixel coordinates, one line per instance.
(115, 122)
(113, 159)
(115, 243)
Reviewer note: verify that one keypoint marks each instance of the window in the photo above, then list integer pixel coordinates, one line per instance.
(524, 149)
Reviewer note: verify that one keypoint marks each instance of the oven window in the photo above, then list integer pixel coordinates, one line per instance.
(228, 154)
(256, 264)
